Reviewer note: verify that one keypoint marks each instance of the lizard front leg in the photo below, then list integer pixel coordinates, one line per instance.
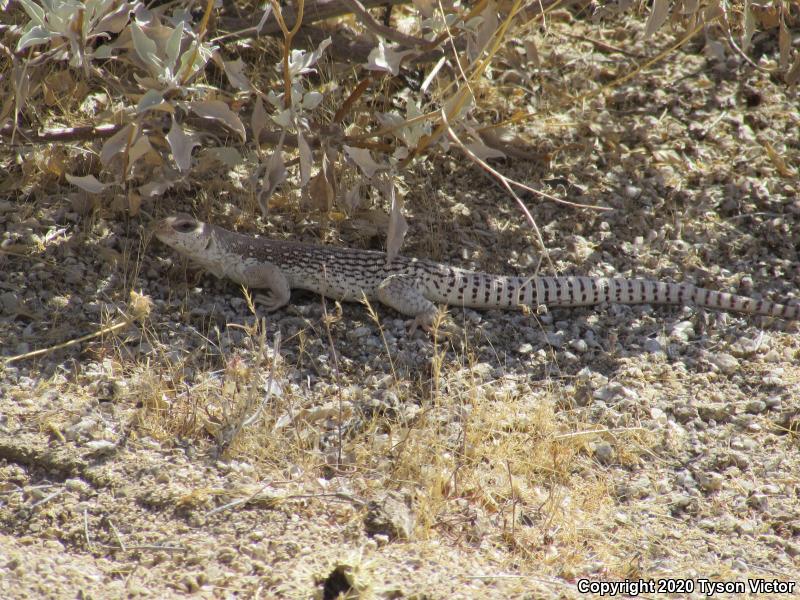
(401, 293)
(267, 276)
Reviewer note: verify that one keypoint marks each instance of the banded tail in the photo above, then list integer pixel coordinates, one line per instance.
(479, 290)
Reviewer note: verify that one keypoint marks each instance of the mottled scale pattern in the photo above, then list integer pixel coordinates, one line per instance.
(349, 274)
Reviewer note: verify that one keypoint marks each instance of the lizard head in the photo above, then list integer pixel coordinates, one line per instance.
(183, 233)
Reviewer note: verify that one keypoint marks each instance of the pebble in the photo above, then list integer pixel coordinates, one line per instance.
(716, 411)
(724, 362)
(78, 486)
(653, 346)
(101, 447)
(580, 346)
(389, 516)
(710, 482)
(604, 453)
(359, 332)
(682, 331)
(758, 501)
(775, 377)
(658, 415)
(756, 406)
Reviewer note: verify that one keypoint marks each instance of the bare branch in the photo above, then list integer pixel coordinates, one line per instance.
(315, 11)
(368, 21)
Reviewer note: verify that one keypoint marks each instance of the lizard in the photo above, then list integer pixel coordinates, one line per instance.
(413, 286)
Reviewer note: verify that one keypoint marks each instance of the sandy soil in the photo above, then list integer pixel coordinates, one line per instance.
(539, 454)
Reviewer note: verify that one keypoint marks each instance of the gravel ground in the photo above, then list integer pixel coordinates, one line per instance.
(529, 455)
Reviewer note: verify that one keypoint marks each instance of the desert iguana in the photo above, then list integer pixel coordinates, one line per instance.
(412, 286)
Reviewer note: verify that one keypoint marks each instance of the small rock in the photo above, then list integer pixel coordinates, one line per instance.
(724, 362)
(631, 191)
(740, 459)
(9, 303)
(556, 339)
(684, 413)
(710, 482)
(482, 370)
(389, 516)
(758, 501)
(190, 583)
(775, 377)
(612, 391)
(79, 486)
(740, 566)
(683, 503)
(755, 407)
(569, 357)
(746, 346)
(580, 346)
(717, 411)
(358, 332)
(682, 331)
(604, 453)
(658, 415)
(101, 447)
(653, 346)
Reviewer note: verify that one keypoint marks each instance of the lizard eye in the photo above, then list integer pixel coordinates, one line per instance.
(184, 226)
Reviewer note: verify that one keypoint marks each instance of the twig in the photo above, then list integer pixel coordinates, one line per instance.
(504, 181)
(335, 495)
(742, 53)
(374, 316)
(240, 34)
(351, 99)
(514, 501)
(99, 132)
(565, 436)
(154, 547)
(604, 46)
(239, 501)
(189, 71)
(316, 10)
(67, 134)
(47, 499)
(276, 349)
(355, 51)
(117, 535)
(326, 320)
(288, 36)
(368, 21)
(507, 183)
(121, 324)
(86, 529)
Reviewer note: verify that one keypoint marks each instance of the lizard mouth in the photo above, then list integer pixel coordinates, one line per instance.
(163, 228)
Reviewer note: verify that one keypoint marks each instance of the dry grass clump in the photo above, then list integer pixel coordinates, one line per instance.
(478, 459)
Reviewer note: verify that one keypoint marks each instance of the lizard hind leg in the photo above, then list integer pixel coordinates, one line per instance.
(402, 293)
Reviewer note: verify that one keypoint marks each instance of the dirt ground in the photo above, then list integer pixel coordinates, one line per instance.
(532, 456)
